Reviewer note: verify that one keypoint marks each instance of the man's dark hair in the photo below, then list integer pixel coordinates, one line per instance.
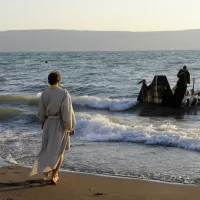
(54, 78)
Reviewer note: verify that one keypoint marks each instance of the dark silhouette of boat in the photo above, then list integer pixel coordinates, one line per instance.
(160, 92)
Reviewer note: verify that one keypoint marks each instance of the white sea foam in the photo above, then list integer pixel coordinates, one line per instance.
(103, 103)
(99, 128)
(10, 159)
(38, 94)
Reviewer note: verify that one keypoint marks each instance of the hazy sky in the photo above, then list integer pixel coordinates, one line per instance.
(117, 15)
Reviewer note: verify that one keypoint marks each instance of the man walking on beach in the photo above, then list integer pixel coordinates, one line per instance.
(58, 121)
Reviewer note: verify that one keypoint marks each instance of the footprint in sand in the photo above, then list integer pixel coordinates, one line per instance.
(16, 172)
(98, 194)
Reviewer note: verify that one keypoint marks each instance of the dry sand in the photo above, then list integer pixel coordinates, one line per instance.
(16, 184)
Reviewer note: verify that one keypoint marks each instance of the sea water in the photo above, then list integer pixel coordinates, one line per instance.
(115, 135)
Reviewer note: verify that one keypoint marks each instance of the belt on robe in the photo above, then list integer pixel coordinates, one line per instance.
(53, 117)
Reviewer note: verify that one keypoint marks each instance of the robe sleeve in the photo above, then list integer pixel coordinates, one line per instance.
(68, 116)
(41, 111)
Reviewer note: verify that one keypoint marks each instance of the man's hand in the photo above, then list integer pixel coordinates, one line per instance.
(43, 124)
(71, 133)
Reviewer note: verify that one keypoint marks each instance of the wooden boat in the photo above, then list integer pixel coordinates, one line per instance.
(160, 92)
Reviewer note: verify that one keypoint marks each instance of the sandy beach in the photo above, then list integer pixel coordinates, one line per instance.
(16, 184)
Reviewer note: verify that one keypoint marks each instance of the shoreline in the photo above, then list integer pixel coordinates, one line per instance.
(16, 184)
(108, 176)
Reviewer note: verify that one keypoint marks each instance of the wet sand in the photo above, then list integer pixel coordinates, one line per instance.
(16, 184)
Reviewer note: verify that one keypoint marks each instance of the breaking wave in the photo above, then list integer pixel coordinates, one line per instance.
(103, 103)
(29, 100)
(100, 128)
(89, 101)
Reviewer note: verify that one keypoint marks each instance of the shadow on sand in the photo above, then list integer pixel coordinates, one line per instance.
(23, 185)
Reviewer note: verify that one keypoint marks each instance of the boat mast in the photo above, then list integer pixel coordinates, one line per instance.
(193, 86)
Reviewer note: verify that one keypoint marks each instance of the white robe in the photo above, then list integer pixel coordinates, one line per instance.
(55, 108)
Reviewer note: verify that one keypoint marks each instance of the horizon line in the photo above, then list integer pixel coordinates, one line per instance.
(98, 30)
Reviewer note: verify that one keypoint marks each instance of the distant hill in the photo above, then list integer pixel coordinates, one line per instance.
(67, 40)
